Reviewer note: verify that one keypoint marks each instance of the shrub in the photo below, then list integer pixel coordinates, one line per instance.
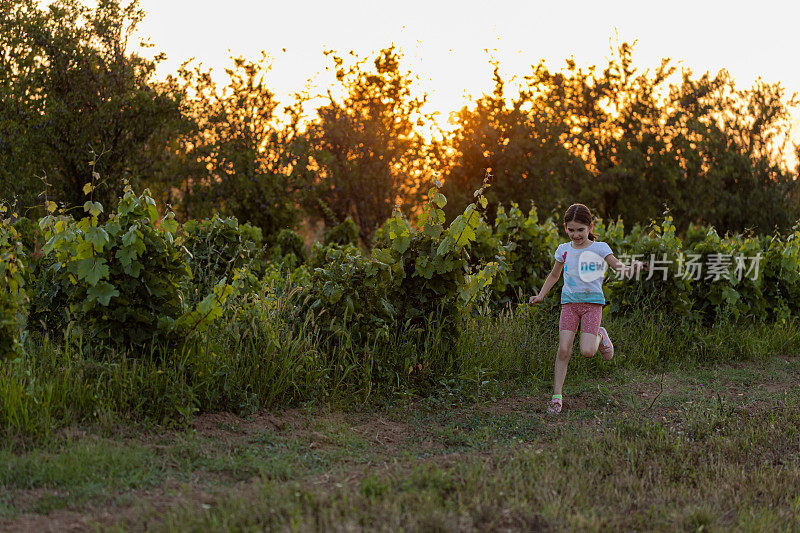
(289, 249)
(420, 276)
(662, 288)
(530, 245)
(780, 267)
(48, 307)
(216, 248)
(343, 233)
(12, 293)
(123, 275)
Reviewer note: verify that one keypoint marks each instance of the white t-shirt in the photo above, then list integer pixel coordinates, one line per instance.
(583, 272)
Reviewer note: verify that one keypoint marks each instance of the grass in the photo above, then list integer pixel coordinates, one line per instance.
(716, 447)
(253, 360)
(253, 428)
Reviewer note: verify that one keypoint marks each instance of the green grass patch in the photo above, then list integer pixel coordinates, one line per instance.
(713, 447)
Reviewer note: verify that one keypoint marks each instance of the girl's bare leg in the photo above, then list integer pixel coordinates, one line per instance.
(589, 344)
(565, 340)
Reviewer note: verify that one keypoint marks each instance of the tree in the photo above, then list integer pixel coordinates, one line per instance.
(363, 155)
(72, 96)
(239, 160)
(730, 144)
(630, 143)
(521, 147)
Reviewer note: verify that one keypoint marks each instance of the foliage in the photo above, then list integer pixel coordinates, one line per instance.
(48, 310)
(420, 277)
(289, 248)
(520, 146)
(13, 300)
(530, 246)
(436, 279)
(661, 288)
(350, 297)
(714, 295)
(319, 255)
(345, 232)
(217, 247)
(124, 273)
(363, 155)
(239, 159)
(73, 95)
(627, 142)
(781, 271)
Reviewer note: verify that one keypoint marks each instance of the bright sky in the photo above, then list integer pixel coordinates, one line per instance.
(444, 42)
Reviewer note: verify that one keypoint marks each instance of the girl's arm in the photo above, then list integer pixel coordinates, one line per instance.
(551, 280)
(620, 267)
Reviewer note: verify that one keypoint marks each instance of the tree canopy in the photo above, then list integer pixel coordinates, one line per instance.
(626, 141)
(72, 95)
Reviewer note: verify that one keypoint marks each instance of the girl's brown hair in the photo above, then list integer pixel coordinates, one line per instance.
(581, 214)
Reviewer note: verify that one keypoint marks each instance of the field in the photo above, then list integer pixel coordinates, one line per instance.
(711, 447)
(166, 376)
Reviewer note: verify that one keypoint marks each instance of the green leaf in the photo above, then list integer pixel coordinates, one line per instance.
(207, 311)
(126, 254)
(127, 205)
(466, 236)
(83, 250)
(133, 269)
(152, 212)
(93, 208)
(97, 236)
(169, 224)
(131, 236)
(401, 243)
(434, 232)
(85, 223)
(457, 225)
(102, 292)
(92, 269)
(112, 227)
(445, 246)
(424, 267)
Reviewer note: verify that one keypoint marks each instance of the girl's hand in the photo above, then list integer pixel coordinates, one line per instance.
(536, 299)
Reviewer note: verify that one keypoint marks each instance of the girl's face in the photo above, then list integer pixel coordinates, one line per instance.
(577, 232)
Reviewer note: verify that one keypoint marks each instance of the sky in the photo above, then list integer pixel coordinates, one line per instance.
(449, 43)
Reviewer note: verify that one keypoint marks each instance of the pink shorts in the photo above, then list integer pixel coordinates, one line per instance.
(587, 315)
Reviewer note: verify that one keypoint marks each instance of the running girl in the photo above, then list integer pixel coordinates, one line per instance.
(583, 260)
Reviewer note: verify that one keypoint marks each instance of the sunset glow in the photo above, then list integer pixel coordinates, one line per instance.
(449, 44)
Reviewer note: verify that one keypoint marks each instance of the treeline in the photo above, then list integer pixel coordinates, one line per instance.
(74, 99)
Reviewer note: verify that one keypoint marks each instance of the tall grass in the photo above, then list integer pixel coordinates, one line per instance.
(265, 354)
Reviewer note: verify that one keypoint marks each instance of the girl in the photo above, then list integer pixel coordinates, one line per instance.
(583, 261)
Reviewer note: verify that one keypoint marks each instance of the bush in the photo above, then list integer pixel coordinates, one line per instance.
(289, 249)
(48, 307)
(12, 294)
(530, 246)
(216, 248)
(714, 293)
(343, 233)
(421, 276)
(662, 289)
(124, 275)
(780, 267)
